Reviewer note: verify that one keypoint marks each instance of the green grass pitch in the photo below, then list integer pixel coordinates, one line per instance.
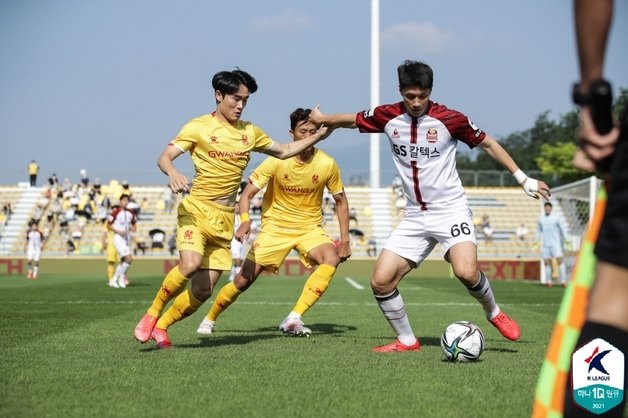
(68, 351)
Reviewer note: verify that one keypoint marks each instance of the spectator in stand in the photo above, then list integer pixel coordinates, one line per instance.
(487, 230)
(53, 181)
(353, 216)
(70, 247)
(33, 170)
(256, 204)
(371, 249)
(7, 210)
(67, 184)
(84, 178)
(172, 243)
(126, 188)
(168, 200)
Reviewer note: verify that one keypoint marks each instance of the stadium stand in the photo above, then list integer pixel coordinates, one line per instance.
(375, 208)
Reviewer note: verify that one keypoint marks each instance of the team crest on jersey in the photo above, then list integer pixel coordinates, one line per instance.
(368, 113)
(431, 135)
(213, 139)
(395, 133)
(187, 235)
(245, 140)
(315, 178)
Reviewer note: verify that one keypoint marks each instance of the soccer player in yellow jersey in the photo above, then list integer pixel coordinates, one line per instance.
(220, 145)
(110, 249)
(291, 219)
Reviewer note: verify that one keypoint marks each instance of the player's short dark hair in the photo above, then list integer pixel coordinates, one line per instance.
(299, 115)
(548, 204)
(415, 74)
(124, 195)
(229, 82)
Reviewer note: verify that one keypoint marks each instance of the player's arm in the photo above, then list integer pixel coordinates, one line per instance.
(178, 181)
(499, 154)
(593, 20)
(342, 212)
(337, 120)
(249, 192)
(290, 149)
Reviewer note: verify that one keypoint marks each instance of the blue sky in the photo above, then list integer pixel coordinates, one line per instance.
(104, 85)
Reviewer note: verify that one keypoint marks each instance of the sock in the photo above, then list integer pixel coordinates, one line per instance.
(614, 336)
(184, 305)
(483, 293)
(554, 265)
(395, 312)
(227, 295)
(122, 269)
(173, 284)
(562, 269)
(111, 270)
(314, 288)
(548, 273)
(35, 270)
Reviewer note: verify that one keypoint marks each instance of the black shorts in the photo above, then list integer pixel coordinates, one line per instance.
(612, 243)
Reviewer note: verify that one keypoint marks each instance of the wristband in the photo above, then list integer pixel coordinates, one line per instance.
(519, 176)
(244, 217)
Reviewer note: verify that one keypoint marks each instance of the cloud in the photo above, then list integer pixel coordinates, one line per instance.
(420, 37)
(287, 20)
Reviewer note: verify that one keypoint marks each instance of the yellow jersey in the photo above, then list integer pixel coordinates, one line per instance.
(294, 195)
(220, 153)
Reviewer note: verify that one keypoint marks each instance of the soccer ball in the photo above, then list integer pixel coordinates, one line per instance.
(462, 341)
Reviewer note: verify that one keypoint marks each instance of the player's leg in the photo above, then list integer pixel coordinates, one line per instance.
(229, 293)
(463, 259)
(390, 268)
(315, 248)
(185, 304)
(172, 285)
(562, 271)
(36, 258)
(122, 269)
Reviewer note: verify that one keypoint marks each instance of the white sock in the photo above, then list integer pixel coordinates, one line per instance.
(548, 273)
(483, 293)
(562, 272)
(35, 270)
(394, 311)
(121, 270)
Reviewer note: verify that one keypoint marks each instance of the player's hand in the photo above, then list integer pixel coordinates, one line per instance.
(316, 117)
(595, 147)
(324, 132)
(534, 187)
(243, 232)
(344, 251)
(178, 182)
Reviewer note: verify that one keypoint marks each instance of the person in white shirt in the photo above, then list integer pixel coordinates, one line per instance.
(423, 136)
(122, 222)
(33, 247)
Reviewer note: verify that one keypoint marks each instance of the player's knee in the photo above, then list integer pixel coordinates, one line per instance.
(467, 274)
(381, 286)
(188, 267)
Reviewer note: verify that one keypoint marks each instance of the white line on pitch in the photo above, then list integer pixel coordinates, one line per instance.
(354, 284)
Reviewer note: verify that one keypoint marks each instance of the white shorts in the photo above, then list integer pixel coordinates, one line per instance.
(236, 249)
(551, 251)
(416, 236)
(122, 245)
(33, 253)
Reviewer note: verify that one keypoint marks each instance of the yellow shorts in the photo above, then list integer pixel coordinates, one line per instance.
(272, 245)
(112, 253)
(206, 228)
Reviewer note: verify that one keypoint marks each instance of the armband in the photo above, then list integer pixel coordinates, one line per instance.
(244, 217)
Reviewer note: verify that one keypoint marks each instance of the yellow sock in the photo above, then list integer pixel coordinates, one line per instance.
(314, 288)
(184, 305)
(111, 269)
(173, 284)
(227, 295)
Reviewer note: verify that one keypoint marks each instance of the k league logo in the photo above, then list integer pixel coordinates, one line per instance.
(598, 376)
